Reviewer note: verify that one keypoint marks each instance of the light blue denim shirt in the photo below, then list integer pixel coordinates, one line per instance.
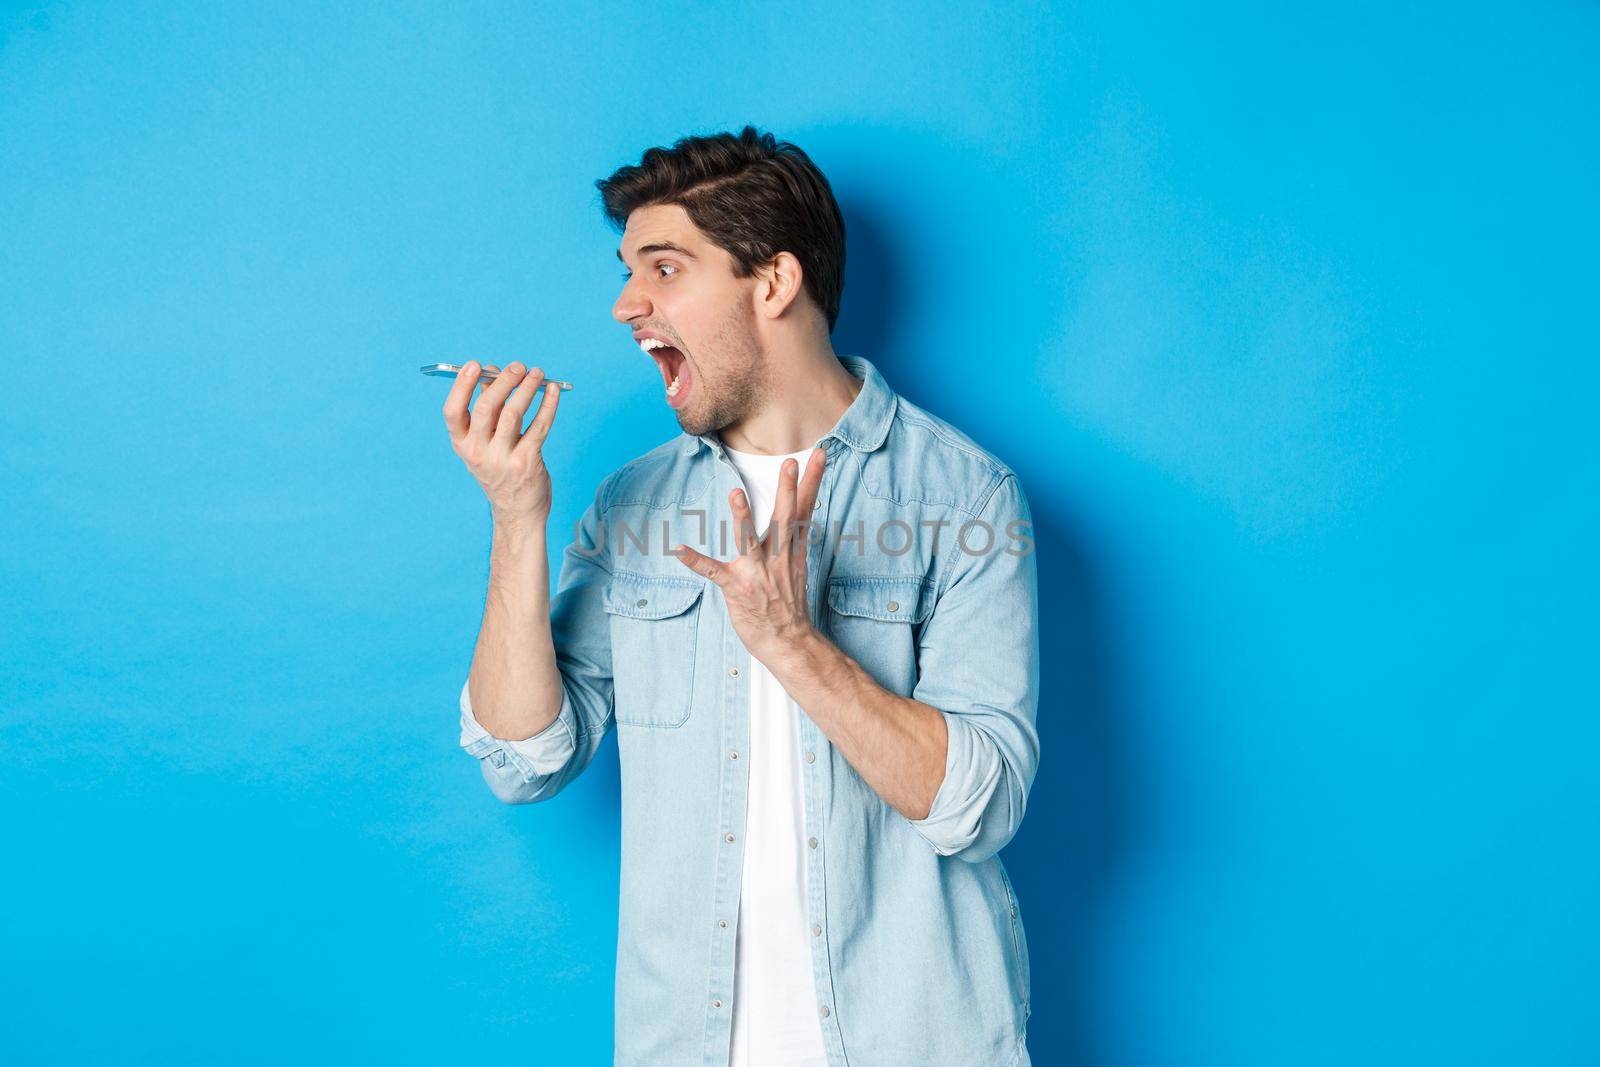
(921, 568)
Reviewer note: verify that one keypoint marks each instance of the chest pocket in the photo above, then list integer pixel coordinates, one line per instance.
(653, 629)
(876, 621)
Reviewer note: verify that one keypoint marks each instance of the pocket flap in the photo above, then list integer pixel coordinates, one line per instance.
(907, 599)
(643, 596)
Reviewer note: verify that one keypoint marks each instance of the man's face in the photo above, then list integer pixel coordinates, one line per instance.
(680, 288)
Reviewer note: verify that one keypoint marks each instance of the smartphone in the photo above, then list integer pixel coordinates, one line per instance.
(450, 370)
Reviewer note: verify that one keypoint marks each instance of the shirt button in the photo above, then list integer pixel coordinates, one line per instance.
(812, 842)
(734, 671)
(641, 603)
(722, 923)
(734, 754)
(825, 1011)
(727, 837)
(811, 757)
(816, 931)
(716, 1003)
(815, 504)
(894, 605)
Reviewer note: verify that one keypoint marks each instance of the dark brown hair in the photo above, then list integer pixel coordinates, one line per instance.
(751, 195)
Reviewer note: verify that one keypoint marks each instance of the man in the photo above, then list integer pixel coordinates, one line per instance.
(824, 683)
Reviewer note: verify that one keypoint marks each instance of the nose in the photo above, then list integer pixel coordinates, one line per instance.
(630, 305)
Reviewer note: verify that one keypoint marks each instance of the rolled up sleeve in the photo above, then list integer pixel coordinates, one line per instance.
(526, 770)
(978, 659)
(513, 767)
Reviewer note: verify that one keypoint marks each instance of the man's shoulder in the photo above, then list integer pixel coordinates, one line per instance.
(658, 475)
(934, 452)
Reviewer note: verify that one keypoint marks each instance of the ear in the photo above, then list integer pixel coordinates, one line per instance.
(782, 280)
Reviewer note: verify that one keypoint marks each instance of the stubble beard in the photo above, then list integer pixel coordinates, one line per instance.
(738, 387)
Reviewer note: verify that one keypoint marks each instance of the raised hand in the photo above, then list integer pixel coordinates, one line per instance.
(765, 584)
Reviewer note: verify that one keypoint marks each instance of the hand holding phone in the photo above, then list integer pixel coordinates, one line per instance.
(487, 434)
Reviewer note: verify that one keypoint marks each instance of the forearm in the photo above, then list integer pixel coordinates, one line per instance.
(897, 745)
(514, 685)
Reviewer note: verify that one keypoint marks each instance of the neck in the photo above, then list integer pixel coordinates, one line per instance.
(807, 392)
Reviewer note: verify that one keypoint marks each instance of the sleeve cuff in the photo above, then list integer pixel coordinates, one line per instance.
(971, 769)
(544, 753)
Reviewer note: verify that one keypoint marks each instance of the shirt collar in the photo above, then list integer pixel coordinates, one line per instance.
(863, 426)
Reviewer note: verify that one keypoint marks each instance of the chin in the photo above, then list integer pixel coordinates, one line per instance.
(700, 424)
(690, 424)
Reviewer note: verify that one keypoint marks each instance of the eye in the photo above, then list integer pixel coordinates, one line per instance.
(659, 266)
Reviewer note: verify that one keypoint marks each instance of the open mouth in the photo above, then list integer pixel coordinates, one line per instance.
(674, 369)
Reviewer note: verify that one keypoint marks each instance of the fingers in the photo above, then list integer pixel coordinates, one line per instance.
(779, 532)
(806, 497)
(455, 404)
(744, 526)
(700, 564)
(486, 412)
(545, 416)
(508, 427)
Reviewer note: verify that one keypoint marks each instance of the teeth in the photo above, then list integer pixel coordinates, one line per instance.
(672, 390)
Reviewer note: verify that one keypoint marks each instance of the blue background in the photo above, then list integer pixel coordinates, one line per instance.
(1285, 316)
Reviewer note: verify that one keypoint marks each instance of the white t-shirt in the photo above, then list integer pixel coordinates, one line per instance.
(775, 1021)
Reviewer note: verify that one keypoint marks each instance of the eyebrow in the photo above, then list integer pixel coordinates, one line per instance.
(662, 246)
